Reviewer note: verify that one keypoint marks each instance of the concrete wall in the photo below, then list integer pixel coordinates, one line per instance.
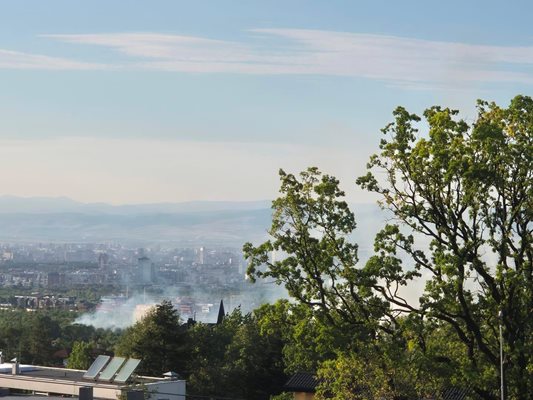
(167, 390)
(56, 386)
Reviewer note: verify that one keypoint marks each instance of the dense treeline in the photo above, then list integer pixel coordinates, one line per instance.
(45, 337)
(246, 356)
(241, 357)
(235, 358)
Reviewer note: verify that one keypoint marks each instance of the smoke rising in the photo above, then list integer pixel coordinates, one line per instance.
(200, 304)
(116, 312)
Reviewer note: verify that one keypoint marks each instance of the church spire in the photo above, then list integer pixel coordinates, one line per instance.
(221, 313)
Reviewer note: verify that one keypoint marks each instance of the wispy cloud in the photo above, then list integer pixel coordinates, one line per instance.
(401, 59)
(396, 60)
(19, 60)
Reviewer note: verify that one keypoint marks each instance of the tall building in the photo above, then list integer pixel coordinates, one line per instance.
(146, 271)
(103, 261)
(201, 256)
(55, 279)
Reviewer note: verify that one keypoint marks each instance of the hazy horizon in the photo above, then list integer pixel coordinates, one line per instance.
(8, 196)
(263, 201)
(59, 220)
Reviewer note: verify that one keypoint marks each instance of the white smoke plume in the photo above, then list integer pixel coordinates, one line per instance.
(116, 312)
(120, 312)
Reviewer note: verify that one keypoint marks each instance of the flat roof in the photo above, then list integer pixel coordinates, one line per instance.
(65, 374)
(55, 373)
(65, 381)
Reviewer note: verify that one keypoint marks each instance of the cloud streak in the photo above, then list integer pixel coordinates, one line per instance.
(25, 61)
(395, 60)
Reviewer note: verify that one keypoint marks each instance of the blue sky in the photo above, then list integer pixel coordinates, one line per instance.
(130, 101)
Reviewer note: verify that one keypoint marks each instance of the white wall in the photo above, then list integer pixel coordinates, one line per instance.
(167, 390)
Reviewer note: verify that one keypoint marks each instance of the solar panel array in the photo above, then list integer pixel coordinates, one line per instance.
(126, 371)
(112, 368)
(107, 369)
(96, 367)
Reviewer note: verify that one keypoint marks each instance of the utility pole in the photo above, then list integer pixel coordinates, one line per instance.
(502, 393)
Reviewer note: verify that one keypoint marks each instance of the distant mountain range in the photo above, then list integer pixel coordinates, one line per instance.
(44, 205)
(42, 219)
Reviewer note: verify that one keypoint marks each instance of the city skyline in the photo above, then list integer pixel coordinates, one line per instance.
(182, 101)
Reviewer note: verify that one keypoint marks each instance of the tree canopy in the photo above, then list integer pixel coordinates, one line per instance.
(236, 358)
(460, 197)
(81, 356)
(158, 339)
(469, 190)
(310, 228)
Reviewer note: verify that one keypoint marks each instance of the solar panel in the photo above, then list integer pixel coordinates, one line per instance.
(96, 367)
(126, 371)
(109, 372)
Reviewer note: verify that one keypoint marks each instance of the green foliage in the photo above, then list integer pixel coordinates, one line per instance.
(236, 359)
(29, 336)
(38, 346)
(283, 396)
(81, 356)
(158, 340)
(34, 336)
(468, 190)
(305, 341)
(310, 225)
(348, 377)
(462, 197)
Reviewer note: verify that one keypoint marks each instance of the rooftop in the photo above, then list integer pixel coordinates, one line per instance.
(302, 382)
(64, 381)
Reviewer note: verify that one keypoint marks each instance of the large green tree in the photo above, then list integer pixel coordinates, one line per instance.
(311, 254)
(468, 190)
(462, 198)
(236, 358)
(310, 230)
(159, 340)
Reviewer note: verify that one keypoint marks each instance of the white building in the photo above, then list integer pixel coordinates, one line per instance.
(62, 381)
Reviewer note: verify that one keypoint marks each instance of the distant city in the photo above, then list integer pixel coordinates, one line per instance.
(112, 263)
(130, 280)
